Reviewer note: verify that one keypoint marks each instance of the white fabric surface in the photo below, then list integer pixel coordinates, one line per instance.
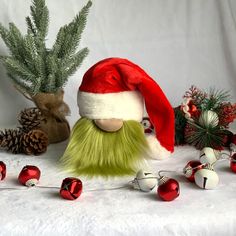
(179, 43)
(115, 212)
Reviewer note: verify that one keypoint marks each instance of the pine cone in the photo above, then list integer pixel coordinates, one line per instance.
(30, 118)
(34, 142)
(10, 140)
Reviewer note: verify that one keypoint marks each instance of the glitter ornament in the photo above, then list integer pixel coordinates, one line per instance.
(2, 170)
(206, 178)
(208, 118)
(29, 176)
(209, 155)
(233, 163)
(191, 168)
(168, 189)
(144, 181)
(71, 188)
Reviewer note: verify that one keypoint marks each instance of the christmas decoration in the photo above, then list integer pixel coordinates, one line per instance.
(206, 178)
(189, 109)
(180, 123)
(227, 138)
(29, 176)
(115, 88)
(30, 118)
(203, 119)
(2, 170)
(10, 140)
(191, 168)
(147, 125)
(144, 181)
(168, 189)
(208, 118)
(233, 163)
(209, 155)
(40, 73)
(34, 142)
(71, 188)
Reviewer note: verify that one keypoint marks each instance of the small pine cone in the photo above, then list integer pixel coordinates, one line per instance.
(30, 118)
(10, 140)
(34, 142)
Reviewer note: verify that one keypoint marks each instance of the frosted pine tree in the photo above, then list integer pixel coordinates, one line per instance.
(39, 72)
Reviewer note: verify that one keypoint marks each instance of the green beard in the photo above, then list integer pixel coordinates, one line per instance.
(93, 152)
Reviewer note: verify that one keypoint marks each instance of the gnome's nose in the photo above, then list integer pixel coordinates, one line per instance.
(109, 125)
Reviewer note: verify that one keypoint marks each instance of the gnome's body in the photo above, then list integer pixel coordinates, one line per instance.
(109, 140)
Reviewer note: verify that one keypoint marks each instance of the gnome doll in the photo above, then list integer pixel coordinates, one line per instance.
(108, 139)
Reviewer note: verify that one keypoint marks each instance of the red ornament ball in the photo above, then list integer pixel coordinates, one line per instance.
(191, 168)
(3, 170)
(233, 163)
(71, 188)
(29, 176)
(168, 189)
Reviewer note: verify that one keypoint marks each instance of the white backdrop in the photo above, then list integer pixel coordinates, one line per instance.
(179, 43)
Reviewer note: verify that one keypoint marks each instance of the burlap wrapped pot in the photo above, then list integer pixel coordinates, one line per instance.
(54, 111)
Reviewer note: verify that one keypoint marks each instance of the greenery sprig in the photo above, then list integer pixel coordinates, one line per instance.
(31, 65)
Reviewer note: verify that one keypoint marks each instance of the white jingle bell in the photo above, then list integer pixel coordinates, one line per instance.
(209, 155)
(144, 181)
(206, 178)
(209, 118)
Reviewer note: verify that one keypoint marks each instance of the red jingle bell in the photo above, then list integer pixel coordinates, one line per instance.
(191, 168)
(29, 176)
(233, 163)
(2, 170)
(71, 188)
(168, 189)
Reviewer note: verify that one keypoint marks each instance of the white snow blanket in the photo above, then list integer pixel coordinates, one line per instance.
(124, 211)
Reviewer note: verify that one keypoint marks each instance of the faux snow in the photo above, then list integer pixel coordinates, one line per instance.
(37, 211)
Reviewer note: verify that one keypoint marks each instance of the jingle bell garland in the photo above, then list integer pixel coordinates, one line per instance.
(168, 188)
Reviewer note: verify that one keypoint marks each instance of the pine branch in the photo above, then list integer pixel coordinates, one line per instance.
(215, 99)
(32, 67)
(40, 16)
(4, 34)
(31, 27)
(76, 61)
(23, 87)
(17, 68)
(69, 35)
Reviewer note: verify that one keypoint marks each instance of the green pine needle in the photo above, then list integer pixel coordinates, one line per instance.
(33, 67)
(205, 136)
(180, 123)
(214, 99)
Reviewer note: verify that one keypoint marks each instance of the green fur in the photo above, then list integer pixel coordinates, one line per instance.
(93, 152)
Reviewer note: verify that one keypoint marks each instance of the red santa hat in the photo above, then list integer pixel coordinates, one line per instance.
(117, 88)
